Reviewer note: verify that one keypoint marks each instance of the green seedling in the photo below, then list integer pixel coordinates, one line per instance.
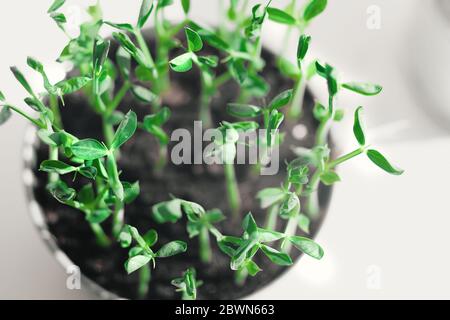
(200, 222)
(141, 255)
(188, 284)
(242, 250)
(325, 167)
(230, 52)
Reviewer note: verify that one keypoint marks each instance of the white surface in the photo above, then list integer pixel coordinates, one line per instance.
(395, 229)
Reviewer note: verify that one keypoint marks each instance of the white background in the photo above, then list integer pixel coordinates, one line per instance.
(385, 237)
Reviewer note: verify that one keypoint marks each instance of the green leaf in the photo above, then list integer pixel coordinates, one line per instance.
(123, 59)
(214, 216)
(86, 194)
(250, 225)
(303, 46)
(151, 237)
(57, 167)
(182, 63)
(158, 119)
(314, 8)
(98, 216)
(291, 206)
(275, 120)
(377, 158)
(125, 237)
(169, 211)
(186, 4)
(131, 191)
(358, 128)
(270, 196)
(252, 268)
(126, 130)
(304, 223)
(59, 18)
(171, 249)
(210, 61)
(89, 149)
(277, 257)
(5, 114)
(101, 50)
(243, 110)
(121, 26)
(329, 178)
(307, 246)
(72, 85)
(89, 172)
(194, 40)
(2, 96)
(128, 45)
(265, 235)
(144, 14)
(61, 192)
(143, 74)
(288, 69)
(159, 134)
(280, 16)
(56, 5)
(20, 77)
(143, 94)
(240, 254)
(366, 89)
(281, 100)
(320, 112)
(135, 263)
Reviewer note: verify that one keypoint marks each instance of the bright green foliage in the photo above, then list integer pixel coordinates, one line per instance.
(144, 73)
(188, 284)
(141, 254)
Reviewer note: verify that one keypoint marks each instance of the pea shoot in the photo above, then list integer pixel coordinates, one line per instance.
(85, 173)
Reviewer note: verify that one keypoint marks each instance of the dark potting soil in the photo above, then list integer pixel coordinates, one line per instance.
(199, 183)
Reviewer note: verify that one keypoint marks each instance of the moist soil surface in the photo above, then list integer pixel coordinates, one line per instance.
(198, 183)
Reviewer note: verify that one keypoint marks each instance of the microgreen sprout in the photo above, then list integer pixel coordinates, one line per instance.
(141, 255)
(188, 284)
(200, 222)
(85, 174)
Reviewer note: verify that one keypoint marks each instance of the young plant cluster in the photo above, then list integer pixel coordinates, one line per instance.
(145, 73)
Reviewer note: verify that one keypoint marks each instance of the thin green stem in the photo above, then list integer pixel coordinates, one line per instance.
(108, 131)
(272, 215)
(118, 98)
(145, 275)
(53, 155)
(234, 200)
(324, 127)
(312, 204)
(54, 106)
(345, 158)
(118, 217)
(296, 109)
(205, 245)
(102, 238)
(162, 158)
(241, 276)
(291, 230)
(36, 122)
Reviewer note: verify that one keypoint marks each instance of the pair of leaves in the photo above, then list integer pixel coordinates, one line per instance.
(143, 254)
(154, 123)
(188, 284)
(250, 111)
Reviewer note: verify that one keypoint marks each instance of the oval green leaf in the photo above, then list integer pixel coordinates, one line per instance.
(89, 149)
(380, 160)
